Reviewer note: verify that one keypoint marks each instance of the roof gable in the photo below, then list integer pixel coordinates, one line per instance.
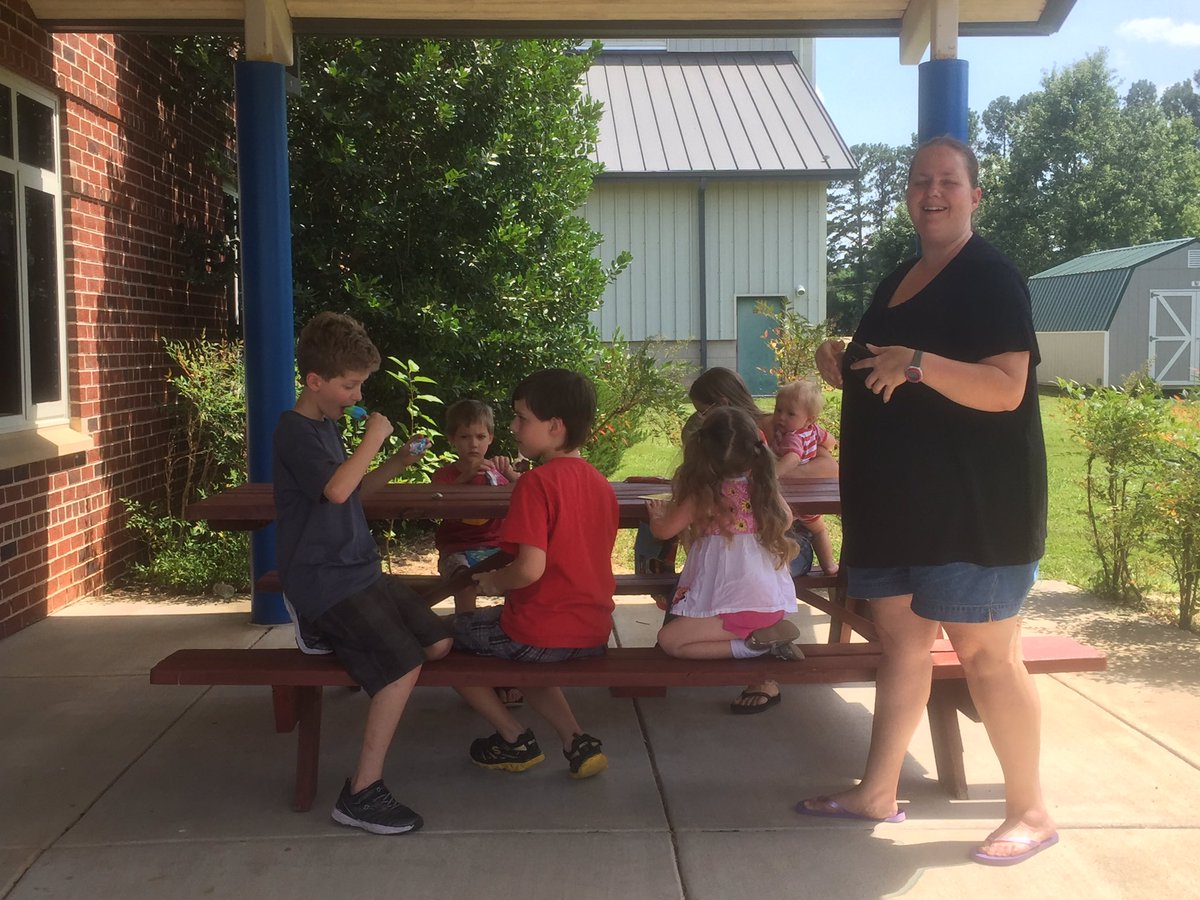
(1083, 294)
(1118, 258)
(740, 114)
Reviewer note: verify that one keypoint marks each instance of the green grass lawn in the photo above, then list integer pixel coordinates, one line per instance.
(1069, 555)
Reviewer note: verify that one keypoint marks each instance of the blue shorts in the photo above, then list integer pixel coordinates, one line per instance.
(955, 592)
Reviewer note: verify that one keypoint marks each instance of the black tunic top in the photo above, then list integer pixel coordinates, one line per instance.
(924, 480)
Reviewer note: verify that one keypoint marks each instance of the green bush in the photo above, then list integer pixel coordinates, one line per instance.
(205, 453)
(1120, 429)
(1177, 498)
(638, 394)
(794, 341)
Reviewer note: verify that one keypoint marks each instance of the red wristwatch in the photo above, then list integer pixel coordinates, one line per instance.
(914, 374)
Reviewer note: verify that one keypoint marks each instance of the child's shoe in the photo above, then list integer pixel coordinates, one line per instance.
(777, 640)
(374, 809)
(586, 757)
(496, 753)
(308, 639)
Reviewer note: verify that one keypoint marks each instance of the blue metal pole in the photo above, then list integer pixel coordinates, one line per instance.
(942, 99)
(266, 238)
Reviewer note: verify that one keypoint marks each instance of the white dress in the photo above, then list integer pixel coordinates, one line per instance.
(731, 574)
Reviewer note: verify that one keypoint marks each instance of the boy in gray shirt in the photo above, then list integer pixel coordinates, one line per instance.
(328, 562)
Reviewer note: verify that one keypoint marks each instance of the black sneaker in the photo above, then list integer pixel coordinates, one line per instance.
(308, 639)
(496, 753)
(374, 809)
(586, 757)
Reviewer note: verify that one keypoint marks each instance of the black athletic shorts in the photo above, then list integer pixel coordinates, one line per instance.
(378, 634)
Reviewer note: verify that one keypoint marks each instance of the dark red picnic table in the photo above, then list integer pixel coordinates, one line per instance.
(252, 505)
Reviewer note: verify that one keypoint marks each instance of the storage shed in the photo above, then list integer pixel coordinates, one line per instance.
(1106, 314)
(716, 156)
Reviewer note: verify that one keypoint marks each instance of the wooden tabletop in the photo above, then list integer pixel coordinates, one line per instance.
(252, 505)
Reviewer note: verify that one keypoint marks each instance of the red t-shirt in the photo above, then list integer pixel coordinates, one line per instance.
(566, 508)
(453, 535)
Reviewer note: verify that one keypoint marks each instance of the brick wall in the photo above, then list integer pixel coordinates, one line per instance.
(137, 189)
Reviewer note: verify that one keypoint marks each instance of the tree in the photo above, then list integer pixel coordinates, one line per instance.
(1181, 101)
(1085, 172)
(858, 209)
(435, 186)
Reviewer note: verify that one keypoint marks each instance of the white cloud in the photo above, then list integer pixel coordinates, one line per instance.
(1161, 31)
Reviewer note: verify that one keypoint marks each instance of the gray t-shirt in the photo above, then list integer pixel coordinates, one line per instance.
(325, 550)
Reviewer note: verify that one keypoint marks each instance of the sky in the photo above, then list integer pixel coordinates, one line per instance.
(872, 98)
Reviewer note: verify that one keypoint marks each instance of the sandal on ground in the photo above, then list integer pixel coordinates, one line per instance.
(510, 696)
(1033, 848)
(739, 708)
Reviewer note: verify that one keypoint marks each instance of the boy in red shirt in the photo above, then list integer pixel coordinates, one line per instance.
(461, 543)
(560, 527)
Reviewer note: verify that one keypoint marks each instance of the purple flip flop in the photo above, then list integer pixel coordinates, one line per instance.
(834, 810)
(1035, 847)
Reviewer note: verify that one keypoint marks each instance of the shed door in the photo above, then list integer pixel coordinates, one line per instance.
(1174, 336)
(754, 358)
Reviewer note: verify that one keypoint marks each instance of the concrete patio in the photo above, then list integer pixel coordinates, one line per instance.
(114, 788)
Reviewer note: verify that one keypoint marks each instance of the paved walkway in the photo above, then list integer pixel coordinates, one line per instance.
(114, 788)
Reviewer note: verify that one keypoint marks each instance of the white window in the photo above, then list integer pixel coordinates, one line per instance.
(33, 363)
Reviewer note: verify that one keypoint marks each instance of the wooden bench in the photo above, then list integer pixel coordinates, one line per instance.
(297, 680)
(627, 584)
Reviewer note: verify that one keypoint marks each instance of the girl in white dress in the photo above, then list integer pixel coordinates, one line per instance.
(735, 588)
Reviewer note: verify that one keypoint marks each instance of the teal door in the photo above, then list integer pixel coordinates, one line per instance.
(754, 358)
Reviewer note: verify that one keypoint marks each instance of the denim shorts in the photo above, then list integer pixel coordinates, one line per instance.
(954, 592)
(480, 632)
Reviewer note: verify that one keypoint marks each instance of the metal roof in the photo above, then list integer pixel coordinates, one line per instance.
(730, 114)
(1120, 258)
(566, 18)
(1083, 294)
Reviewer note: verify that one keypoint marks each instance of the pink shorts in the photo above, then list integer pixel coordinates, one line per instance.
(742, 623)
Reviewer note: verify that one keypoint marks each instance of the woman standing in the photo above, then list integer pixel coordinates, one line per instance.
(944, 494)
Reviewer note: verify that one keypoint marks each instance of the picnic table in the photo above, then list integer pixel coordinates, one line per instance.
(252, 505)
(296, 680)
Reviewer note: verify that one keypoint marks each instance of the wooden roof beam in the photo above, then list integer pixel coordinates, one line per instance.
(929, 24)
(269, 35)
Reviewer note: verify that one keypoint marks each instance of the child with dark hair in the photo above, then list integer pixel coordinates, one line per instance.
(334, 586)
(735, 588)
(558, 590)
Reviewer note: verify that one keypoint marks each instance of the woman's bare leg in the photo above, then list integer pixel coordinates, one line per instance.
(1006, 697)
(901, 693)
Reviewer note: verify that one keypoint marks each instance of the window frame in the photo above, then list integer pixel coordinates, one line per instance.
(33, 415)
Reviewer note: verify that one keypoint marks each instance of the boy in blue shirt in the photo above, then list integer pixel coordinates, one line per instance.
(328, 562)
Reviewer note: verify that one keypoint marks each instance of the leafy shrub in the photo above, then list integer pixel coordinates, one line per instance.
(1120, 429)
(1176, 495)
(638, 393)
(794, 341)
(205, 453)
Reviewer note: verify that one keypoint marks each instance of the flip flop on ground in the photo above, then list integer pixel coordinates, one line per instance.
(510, 697)
(1035, 847)
(831, 809)
(744, 705)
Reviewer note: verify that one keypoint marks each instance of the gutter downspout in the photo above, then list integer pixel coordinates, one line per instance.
(703, 278)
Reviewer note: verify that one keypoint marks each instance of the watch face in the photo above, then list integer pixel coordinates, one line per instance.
(914, 374)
